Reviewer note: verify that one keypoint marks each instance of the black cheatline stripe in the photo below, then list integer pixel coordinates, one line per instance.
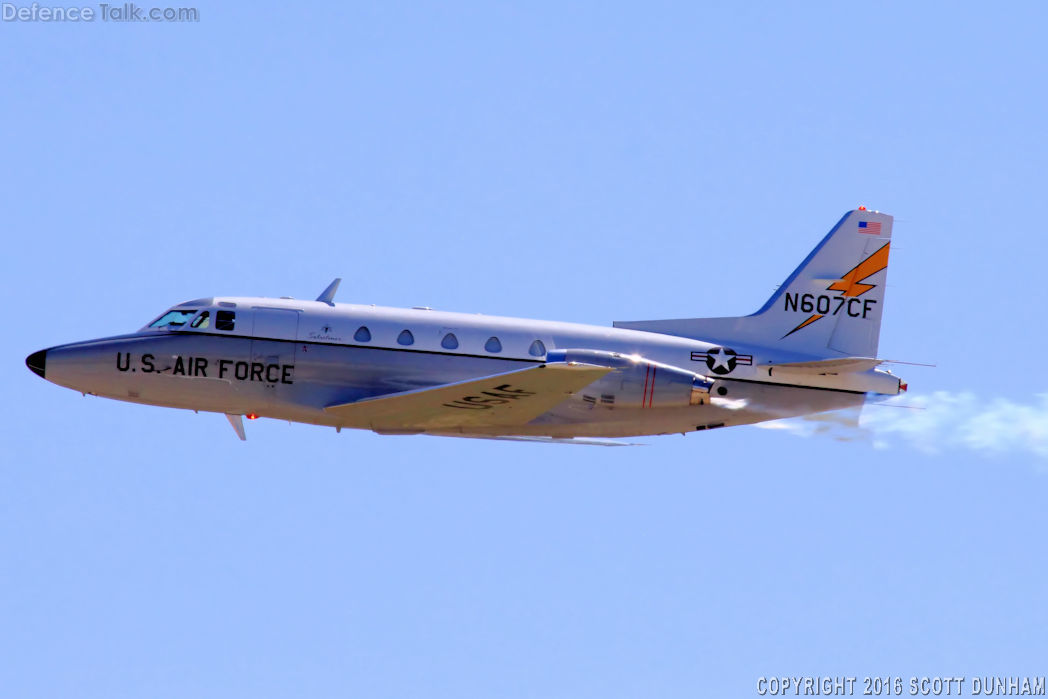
(370, 347)
(477, 356)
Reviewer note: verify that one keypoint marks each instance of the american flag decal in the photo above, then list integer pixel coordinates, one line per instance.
(870, 227)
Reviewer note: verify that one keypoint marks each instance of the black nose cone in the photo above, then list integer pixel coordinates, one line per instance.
(36, 362)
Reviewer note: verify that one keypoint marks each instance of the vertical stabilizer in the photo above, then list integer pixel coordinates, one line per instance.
(830, 306)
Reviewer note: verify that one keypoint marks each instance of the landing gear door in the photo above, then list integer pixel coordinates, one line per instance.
(273, 348)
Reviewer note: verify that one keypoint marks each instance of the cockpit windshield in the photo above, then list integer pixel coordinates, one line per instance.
(173, 319)
(202, 321)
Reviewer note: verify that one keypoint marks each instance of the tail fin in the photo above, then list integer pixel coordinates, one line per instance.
(830, 306)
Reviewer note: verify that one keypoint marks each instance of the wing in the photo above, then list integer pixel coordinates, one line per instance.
(513, 398)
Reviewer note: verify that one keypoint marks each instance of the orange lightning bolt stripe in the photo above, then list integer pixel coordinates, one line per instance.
(850, 284)
(804, 324)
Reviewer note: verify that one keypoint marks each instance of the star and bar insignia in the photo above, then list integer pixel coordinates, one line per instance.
(722, 360)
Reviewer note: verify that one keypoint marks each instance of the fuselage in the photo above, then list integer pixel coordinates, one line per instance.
(812, 347)
(291, 359)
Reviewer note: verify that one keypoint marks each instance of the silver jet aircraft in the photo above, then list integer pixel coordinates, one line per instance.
(811, 348)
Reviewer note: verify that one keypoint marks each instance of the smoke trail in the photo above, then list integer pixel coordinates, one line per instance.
(937, 422)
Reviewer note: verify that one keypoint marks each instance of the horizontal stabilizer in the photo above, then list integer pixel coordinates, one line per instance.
(512, 398)
(847, 365)
(858, 374)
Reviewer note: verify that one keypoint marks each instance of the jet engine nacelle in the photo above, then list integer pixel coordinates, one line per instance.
(637, 382)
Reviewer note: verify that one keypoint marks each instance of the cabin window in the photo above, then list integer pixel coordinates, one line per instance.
(406, 338)
(202, 321)
(362, 334)
(493, 345)
(225, 320)
(537, 349)
(173, 319)
(450, 341)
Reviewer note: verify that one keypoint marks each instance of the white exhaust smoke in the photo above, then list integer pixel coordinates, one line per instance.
(937, 422)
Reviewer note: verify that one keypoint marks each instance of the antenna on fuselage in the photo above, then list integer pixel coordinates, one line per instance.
(328, 295)
(237, 421)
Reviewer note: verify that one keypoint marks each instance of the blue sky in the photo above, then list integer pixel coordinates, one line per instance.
(582, 161)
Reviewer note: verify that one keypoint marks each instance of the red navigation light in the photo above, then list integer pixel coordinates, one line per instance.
(903, 387)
